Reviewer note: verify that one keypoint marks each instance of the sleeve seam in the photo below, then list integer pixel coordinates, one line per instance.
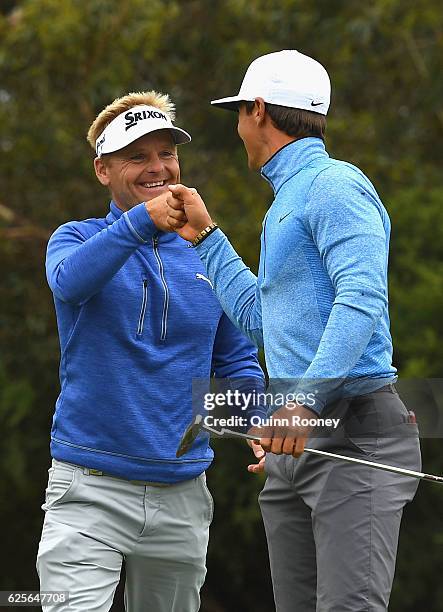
(132, 229)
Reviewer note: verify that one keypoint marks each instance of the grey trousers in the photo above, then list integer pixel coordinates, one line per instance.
(332, 527)
(93, 522)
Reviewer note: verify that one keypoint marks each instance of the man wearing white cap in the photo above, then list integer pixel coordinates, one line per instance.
(319, 307)
(137, 320)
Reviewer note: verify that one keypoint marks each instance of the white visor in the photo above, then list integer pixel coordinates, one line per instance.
(134, 123)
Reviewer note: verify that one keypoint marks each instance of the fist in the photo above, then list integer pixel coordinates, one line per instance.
(187, 213)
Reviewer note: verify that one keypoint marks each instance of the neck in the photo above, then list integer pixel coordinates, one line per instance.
(275, 141)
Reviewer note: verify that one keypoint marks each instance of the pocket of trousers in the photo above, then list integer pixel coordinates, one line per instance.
(362, 424)
(208, 497)
(374, 417)
(61, 482)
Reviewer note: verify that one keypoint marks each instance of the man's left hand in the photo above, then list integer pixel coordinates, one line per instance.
(285, 435)
(260, 455)
(187, 213)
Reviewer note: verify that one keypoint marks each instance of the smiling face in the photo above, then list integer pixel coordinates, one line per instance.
(141, 171)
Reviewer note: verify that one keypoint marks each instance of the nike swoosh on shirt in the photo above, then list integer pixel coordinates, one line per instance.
(284, 216)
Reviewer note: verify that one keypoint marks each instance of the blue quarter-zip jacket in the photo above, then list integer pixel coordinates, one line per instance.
(137, 321)
(320, 303)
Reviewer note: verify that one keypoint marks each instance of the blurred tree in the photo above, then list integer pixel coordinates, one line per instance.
(61, 61)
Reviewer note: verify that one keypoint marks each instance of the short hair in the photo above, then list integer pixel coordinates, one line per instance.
(294, 122)
(120, 105)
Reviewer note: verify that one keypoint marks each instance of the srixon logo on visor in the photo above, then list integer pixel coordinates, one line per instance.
(100, 144)
(133, 118)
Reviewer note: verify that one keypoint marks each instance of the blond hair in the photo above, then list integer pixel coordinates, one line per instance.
(120, 105)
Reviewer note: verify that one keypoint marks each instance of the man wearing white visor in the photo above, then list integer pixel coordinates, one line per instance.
(319, 307)
(137, 320)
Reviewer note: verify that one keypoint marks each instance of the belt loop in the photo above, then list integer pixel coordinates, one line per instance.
(93, 472)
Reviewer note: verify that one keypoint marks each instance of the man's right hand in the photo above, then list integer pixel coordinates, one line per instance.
(188, 215)
(158, 211)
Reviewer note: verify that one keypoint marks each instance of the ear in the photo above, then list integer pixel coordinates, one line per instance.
(259, 111)
(101, 171)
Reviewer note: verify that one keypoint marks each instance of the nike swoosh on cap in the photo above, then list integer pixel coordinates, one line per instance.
(316, 103)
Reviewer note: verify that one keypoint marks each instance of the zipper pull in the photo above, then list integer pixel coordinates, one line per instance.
(155, 240)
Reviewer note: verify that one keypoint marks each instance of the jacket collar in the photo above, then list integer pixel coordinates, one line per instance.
(114, 213)
(292, 158)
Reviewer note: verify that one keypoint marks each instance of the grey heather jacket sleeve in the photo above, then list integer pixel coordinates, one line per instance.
(234, 284)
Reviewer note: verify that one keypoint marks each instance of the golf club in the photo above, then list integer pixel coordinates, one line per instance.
(197, 425)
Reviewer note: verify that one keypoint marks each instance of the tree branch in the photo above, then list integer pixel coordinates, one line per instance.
(21, 229)
(419, 63)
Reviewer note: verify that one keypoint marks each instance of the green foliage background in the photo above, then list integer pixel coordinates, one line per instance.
(61, 61)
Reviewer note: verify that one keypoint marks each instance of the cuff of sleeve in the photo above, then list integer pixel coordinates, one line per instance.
(213, 238)
(314, 399)
(255, 418)
(140, 223)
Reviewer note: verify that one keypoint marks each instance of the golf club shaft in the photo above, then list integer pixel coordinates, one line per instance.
(314, 451)
(379, 466)
(222, 433)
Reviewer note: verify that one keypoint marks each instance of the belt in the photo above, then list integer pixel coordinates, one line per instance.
(146, 483)
(391, 388)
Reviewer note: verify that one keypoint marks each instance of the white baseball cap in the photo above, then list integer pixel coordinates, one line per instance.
(287, 78)
(134, 123)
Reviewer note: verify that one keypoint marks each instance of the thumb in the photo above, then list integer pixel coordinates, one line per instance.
(257, 449)
(182, 192)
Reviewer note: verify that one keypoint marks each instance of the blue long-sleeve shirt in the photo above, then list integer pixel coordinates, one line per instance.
(319, 306)
(137, 321)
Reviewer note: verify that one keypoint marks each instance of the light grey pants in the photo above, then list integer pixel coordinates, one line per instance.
(332, 527)
(93, 522)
